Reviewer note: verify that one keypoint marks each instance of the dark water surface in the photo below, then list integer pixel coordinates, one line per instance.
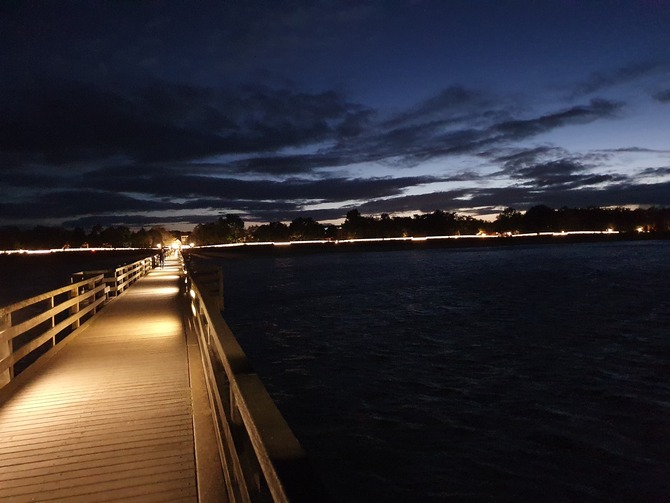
(499, 374)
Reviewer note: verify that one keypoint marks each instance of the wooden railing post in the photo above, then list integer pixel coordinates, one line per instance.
(75, 308)
(95, 296)
(115, 273)
(52, 304)
(220, 278)
(6, 349)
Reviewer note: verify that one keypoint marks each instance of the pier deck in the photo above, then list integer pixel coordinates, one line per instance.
(110, 416)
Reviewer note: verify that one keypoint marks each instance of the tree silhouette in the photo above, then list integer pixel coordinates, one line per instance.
(540, 218)
(305, 229)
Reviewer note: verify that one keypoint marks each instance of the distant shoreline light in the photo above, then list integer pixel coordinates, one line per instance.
(326, 241)
(410, 239)
(65, 250)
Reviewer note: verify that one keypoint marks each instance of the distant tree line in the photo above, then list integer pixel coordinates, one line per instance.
(41, 237)
(540, 218)
(232, 229)
(543, 219)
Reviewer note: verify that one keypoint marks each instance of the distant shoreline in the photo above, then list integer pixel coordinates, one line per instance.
(391, 244)
(366, 244)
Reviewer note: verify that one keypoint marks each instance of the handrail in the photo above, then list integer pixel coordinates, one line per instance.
(31, 328)
(122, 277)
(44, 320)
(261, 458)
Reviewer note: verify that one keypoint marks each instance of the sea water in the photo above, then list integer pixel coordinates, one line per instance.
(530, 373)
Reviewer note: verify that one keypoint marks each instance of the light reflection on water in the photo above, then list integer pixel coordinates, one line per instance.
(501, 374)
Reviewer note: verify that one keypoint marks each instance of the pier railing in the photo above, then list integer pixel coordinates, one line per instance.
(261, 458)
(120, 278)
(36, 326)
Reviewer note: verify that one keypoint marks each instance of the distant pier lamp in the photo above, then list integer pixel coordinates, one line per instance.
(176, 244)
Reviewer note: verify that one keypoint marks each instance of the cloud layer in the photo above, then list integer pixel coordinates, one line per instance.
(78, 152)
(118, 113)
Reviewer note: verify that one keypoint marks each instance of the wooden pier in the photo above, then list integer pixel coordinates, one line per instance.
(122, 411)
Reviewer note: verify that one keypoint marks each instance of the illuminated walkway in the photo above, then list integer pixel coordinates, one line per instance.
(110, 416)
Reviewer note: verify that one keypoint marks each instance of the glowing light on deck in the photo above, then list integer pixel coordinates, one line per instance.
(160, 290)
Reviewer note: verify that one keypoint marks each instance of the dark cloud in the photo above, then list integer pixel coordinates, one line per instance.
(662, 171)
(138, 220)
(565, 173)
(190, 186)
(598, 81)
(447, 201)
(515, 160)
(550, 173)
(638, 150)
(423, 134)
(67, 121)
(583, 114)
(64, 203)
(663, 96)
(285, 165)
(434, 138)
(453, 104)
(522, 198)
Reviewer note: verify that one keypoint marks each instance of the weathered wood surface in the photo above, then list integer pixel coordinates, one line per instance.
(109, 418)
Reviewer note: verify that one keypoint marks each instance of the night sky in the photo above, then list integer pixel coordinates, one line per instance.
(175, 113)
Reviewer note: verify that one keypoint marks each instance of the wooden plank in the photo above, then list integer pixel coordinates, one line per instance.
(52, 481)
(110, 417)
(136, 487)
(15, 454)
(145, 453)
